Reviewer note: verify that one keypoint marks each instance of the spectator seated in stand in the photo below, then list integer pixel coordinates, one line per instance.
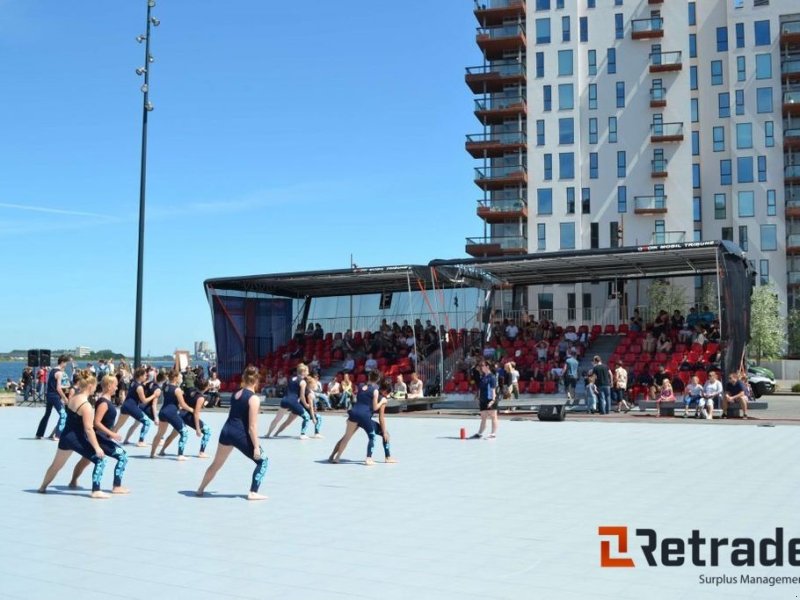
(649, 343)
(658, 381)
(281, 383)
(512, 331)
(706, 316)
(318, 332)
(541, 351)
(349, 364)
(700, 336)
(313, 365)
(685, 332)
(415, 386)
(661, 324)
(735, 393)
(712, 392)
(664, 395)
(335, 393)
(686, 364)
(664, 344)
(320, 397)
(371, 364)
(400, 389)
(677, 321)
(636, 321)
(693, 393)
(692, 319)
(347, 392)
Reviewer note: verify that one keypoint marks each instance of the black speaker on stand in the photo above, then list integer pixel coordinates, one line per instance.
(552, 412)
(33, 358)
(44, 358)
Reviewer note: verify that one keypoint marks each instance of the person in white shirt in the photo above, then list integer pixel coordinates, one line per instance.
(712, 390)
(511, 369)
(349, 364)
(512, 331)
(415, 386)
(693, 393)
(400, 388)
(371, 364)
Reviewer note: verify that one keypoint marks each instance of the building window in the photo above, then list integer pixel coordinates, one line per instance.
(769, 238)
(693, 78)
(614, 234)
(727, 234)
(772, 206)
(567, 231)
(559, 3)
(619, 26)
(747, 204)
(762, 168)
(566, 96)
(739, 102)
(696, 176)
(719, 139)
(692, 45)
(566, 131)
(695, 143)
(548, 167)
(571, 311)
(744, 135)
(542, 31)
(542, 4)
(763, 271)
(564, 63)
(620, 94)
(716, 72)
(566, 165)
(591, 3)
(544, 201)
(743, 237)
(584, 28)
(764, 100)
(592, 62)
(722, 39)
(541, 236)
(622, 163)
(594, 235)
(612, 60)
(540, 132)
(725, 176)
(697, 209)
(763, 66)
(592, 96)
(622, 199)
(565, 29)
(593, 130)
(740, 35)
(761, 29)
(769, 134)
(586, 201)
(570, 200)
(741, 68)
(724, 105)
(744, 169)
(539, 65)
(545, 306)
(720, 206)
(547, 98)
(692, 14)
(612, 130)
(593, 174)
(587, 307)
(694, 105)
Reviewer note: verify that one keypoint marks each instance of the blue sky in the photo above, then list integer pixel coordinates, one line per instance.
(286, 135)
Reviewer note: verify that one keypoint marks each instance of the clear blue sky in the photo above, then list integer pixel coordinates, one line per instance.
(286, 135)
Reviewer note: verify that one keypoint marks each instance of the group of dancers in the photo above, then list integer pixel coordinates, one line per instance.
(88, 423)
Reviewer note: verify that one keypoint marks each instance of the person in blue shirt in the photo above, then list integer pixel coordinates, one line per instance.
(56, 397)
(571, 376)
(360, 416)
(487, 400)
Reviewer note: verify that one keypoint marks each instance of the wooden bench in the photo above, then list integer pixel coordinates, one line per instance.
(8, 399)
(667, 409)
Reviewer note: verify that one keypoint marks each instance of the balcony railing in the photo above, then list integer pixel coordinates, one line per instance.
(501, 33)
(668, 237)
(494, 4)
(792, 207)
(791, 172)
(658, 96)
(497, 41)
(790, 32)
(666, 132)
(659, 167)
(794, 277)
(501, 68)
(665, 61)
(499, 103)
(652, 27)
(793, 241)
(504, 137)
(496, 76)
(791, 135)
(792, 196)
(650, 204)
(790, 68)
(791, 102)
(516, 243)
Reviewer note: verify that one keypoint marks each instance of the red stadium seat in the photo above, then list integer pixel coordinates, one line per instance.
(534, 387)
(549, 387)
(610, 329)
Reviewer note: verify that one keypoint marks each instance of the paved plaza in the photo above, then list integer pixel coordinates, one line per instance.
(515, 517)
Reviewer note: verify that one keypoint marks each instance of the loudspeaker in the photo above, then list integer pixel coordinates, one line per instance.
(44, 358)
(552, 412)
(33, 358)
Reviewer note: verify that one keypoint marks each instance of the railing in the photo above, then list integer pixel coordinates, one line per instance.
(791, 67)
(502, 137)
(499, 172)
(650, 203)
(503, 205)
(791, 171)
(668, 237)
(791, 133)
(794, 278)
(499, 102)
(490, 4)
(665, 58)
(504, 68)
(790, 27)
(792, 197)
(502, 32)
(666, 129)
(508, 242)
(659, 165)
(793, 240)
(657, 94)
(652, 24)
(792, 204)
(792, 97)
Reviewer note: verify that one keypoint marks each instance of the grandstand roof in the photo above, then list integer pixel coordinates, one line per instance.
(635, 262)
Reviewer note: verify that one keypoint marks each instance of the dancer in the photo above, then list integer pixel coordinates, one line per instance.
(308, 403)
(192, 419)
(56, 399)
(367, 403)
(379, 426)
(132, 405)
(241, 432)
(105, 413)
(487, 400)
(290, 403)
(153, 390)
(78, 436)
(170, 414)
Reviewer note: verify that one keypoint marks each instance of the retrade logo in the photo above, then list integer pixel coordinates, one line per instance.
(621, 547)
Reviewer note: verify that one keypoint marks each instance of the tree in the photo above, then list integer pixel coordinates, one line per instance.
(665, 296)
(708, 293)
(793, 325)
(767, 328)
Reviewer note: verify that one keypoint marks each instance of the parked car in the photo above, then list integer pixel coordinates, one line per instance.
(759, 382)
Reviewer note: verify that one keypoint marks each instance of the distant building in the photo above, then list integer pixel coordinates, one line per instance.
(202, 349)
(82, 351)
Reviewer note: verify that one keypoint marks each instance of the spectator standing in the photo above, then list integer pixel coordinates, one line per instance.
(620, 387)
(571, 376)
(603, 381)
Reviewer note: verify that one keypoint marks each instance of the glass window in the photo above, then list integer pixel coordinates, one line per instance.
(619, 26)
(593, 165)
(763, 66)
(622, 163)
(564, 62)
(727, 234)
(566, 131)
(593, 130)
(772, 205)
(548, 167)
(540, 132)
(693, 78)
(740, 35)
(586, 201)
(584, 27)
(692, 14)
(724, 105)
(739, 102)
(769, 238)
(692, 45)
(559, 3)
(570, 200)
(744, 135)
(763, 271)
(541, 236)
(566, 165)
(592, 96)
(697, 208)
(622, 199)
(722, 39)
(695, 176)
(744, 169)
(719, 139)
(764, 100)
(612, 130)
(695, 109)
(566, 96)
(542, 31)
(720, 206)
(617, 2)
(565, 30)
(695, 143)
(743, 237)
(747, 204)
(612, 60)
(614, 236)
(547, 96)
(620, 94)
(741, 68)
(544, 201)
(539, 64)
(590, 3)
(762, 168)
(594, 235)
(762, 33)
(592, 62)
(542, 4)
(725, 176)
(716, 72)
(567, 231)
(769, 134)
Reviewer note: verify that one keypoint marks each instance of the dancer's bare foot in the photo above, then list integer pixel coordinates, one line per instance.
(141, 444)
(73, 485)
(254, 496)
(369, 462)
(100, 495)
(162, 453)
(120, 490)
(390, 459)
(180, 457)
(42, 490)
(199, 493)
(202, 455)
(317, 436)
(333, 460)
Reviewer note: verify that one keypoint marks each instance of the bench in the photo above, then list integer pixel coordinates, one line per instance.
(667, 409)
(396, 405)
(8, 399)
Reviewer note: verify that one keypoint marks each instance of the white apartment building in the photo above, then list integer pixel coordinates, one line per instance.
(637, 122)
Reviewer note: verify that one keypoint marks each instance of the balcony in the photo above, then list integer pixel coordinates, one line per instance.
(655, 1)
(791, 174)
(650, 205)
(790, 70)
(792, 209)
(792, 195)
(494, 145)
(496, 246)
(496, 76)
(497, 41)
(791, 103)
(658, 169)
(491, 111)
(793, 243)
(495, 178)
(661, 62)
(791, 139)
(667, 237)
(658, 97)
(497, 211)
(793, 278)
(666, 132)
(496, 12)
(790, 33)
(646, 29)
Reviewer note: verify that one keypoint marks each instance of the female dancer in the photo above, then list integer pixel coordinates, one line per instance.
(241, 432)
(133, 402)
(56, 399)
(308, 402)
(290, 403)
(170, 414)
(360, 415)
(78, 436)
(192, 419)
(380, 426)
(105, 413)
(153, 390)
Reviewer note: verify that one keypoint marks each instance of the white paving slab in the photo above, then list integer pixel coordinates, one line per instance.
(515, 517)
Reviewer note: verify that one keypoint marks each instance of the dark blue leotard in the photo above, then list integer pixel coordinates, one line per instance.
(188, 417)
(74, 438)
(109, 446)
(53, 402)
(235, 433)
(362, 412)
(291, 401)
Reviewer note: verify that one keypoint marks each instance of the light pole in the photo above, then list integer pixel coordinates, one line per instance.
(146, 108)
